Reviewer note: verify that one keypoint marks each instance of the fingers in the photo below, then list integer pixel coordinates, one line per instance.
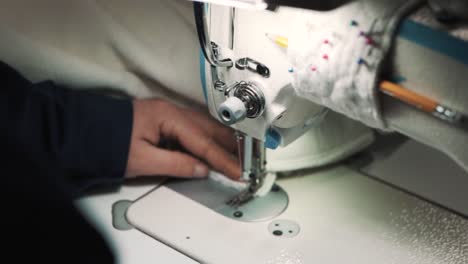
(223, 135)
(195, 140)
(156, 161)
(217, 157)
(206, 139)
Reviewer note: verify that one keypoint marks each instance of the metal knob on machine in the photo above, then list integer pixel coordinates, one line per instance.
(233, 110)
(243, 100)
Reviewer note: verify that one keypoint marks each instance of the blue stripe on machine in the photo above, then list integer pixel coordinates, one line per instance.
(203, 76)
(435, 40)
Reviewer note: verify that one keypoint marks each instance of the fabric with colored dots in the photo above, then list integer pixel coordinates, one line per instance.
(337, 59)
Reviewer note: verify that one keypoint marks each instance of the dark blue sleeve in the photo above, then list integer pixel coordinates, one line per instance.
(86, 136)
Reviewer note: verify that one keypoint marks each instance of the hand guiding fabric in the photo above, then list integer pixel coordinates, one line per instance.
(204, 143)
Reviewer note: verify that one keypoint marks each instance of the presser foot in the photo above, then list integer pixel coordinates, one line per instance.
(241, 198)
(247, 194)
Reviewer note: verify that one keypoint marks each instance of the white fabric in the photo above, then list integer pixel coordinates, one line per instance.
(227, 182)
(326, 57)
(139, 47)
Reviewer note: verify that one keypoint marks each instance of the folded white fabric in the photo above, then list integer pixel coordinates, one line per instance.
(338, 56)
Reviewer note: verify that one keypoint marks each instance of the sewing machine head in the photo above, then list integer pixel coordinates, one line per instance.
(250, 91)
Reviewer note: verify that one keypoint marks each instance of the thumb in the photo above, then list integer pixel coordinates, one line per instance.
(156, 161)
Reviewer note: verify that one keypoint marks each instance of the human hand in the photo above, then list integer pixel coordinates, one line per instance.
(205, 141)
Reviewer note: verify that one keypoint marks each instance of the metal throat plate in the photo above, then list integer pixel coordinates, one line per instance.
(214, 195)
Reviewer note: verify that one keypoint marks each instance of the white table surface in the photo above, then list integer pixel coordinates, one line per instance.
(132, 246)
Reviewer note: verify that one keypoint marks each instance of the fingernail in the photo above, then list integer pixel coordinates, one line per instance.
(200, 171)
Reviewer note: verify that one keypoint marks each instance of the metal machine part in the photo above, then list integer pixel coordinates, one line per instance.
(253, 66)
(232, 20)
(244, 99)
(448, 114)
(204, 38)
(232, 111)
(252, 155)
(249, 93)
(213, 195)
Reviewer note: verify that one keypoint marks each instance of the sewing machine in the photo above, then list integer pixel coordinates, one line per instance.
(325, 214)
